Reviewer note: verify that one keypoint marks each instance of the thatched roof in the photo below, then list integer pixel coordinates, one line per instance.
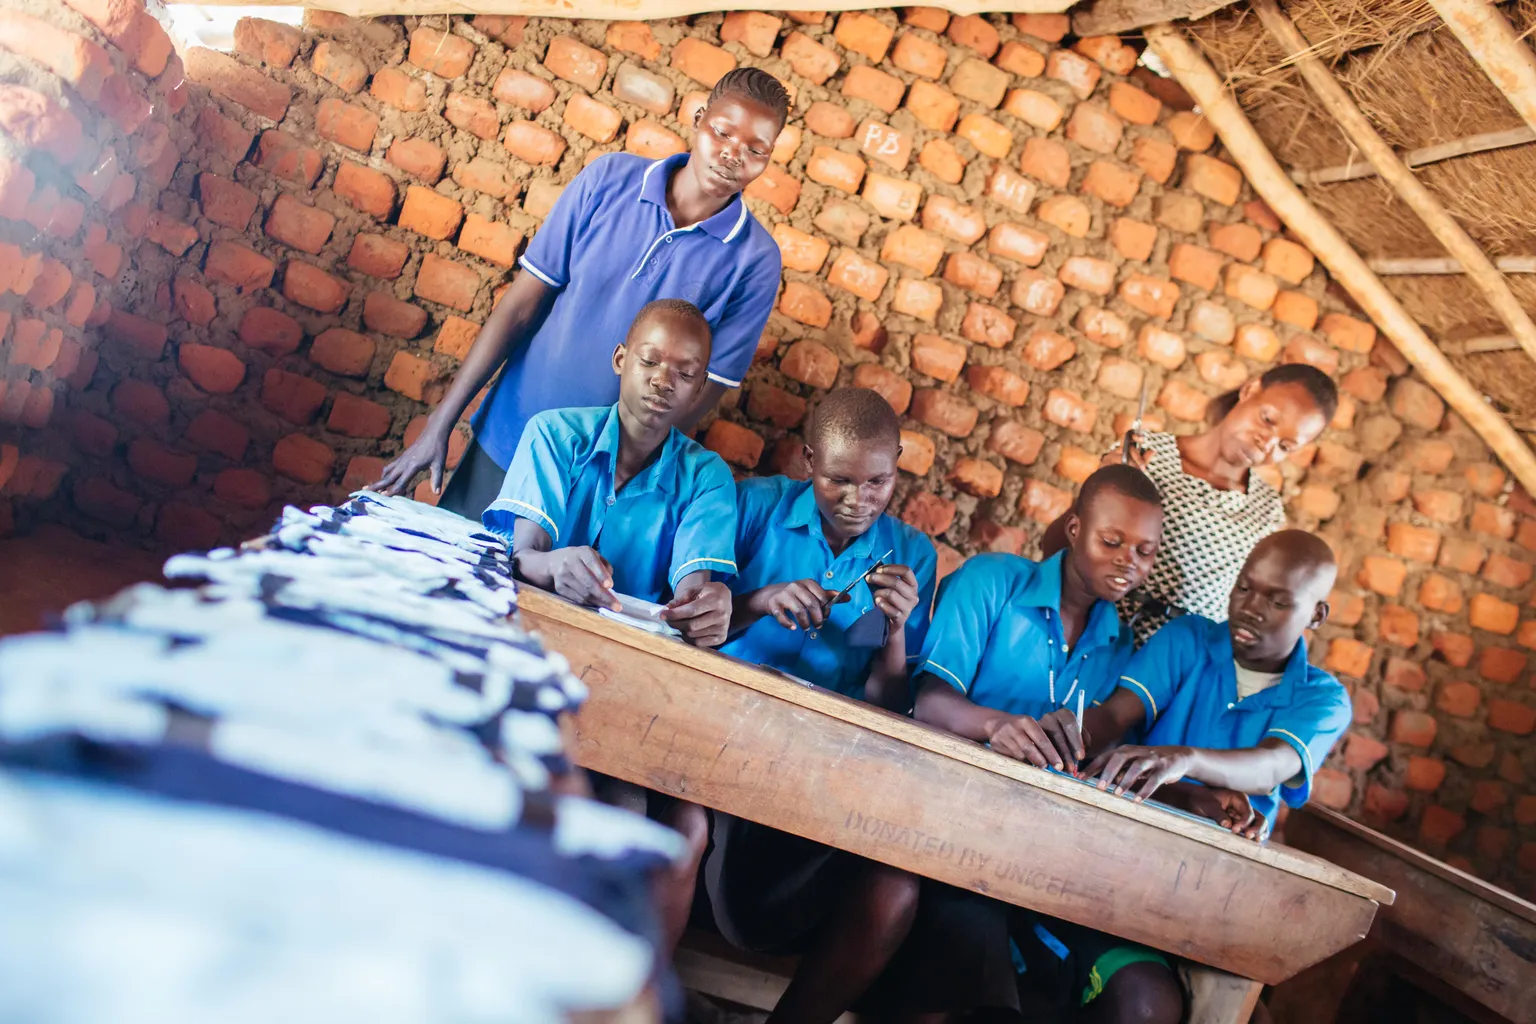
(1419, 87)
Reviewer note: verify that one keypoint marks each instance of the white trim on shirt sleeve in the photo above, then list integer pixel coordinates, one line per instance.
(724, 380)
(527, 265)
(538, 515)
(1301, 748)
(930, 663)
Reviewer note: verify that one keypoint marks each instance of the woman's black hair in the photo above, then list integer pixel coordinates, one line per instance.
(1317, 384)
(756, 85)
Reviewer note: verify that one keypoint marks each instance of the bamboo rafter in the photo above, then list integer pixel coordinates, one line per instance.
(1497, 48)
(1482, 143)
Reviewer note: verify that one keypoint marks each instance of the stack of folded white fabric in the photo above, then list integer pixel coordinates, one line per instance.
(325, 783)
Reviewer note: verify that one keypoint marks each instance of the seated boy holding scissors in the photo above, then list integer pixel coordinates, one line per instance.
(830, 588)
(1242, 720)
(616, 500)
(834, 591)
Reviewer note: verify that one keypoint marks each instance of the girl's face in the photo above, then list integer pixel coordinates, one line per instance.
(732, 142)
(1268, 424)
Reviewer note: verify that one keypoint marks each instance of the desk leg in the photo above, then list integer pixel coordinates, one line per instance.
(1216, 997)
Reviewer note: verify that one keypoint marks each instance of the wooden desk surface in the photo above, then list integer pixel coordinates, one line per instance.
(1472, 936)
(753, 743)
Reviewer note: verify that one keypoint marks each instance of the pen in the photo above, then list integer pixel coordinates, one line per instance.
(1080, 694)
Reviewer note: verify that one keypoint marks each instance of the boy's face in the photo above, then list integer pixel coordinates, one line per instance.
(1113, 542)
(853, 483)
(1276, 598)
(661, 370)
(732, 142)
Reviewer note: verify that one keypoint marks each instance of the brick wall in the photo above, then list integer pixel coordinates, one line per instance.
(248, 289)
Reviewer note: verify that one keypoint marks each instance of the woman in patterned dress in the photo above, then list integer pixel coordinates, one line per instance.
(1215, 507)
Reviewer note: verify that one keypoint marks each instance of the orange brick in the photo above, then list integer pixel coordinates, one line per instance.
(943, 161)
(944, 412)
(430, 213)
(366, 189)
(934, 19)
(701, 61)
(853, 273)
(1382, 574)
(394, 87)
(886, 144)
(1251, 287)
(971, 272)
(1075, 71)
(473, 114)
(1133, 104)
(1487, 612)
(998, 383)
(1015, 442)
(597, 121)
(1296, 309)
(777, 188)
(979, 81)
(446, 282)
(864, 34)
(892, 197)
(1046, 160)
(1069, 411)
(648, 139)
(1043, 503)
(974, 32)
(490, 240)
(1111, 183)
(1197, 266)
(573, 61)
(1240, 241)
(896, 390)
(934, 107)
(1213, 322)
(830, 120)
(1046, 350)
(919, 56)
(875, 87)
(1222, 370)
(843, 220)
(312, 287)
(920, 299)
(238, 267)
(1489, 518)
(1095, 127)
(1416, 543)
(1258, 212)
(977, 477)
(1288, 261)
(754, 30)
(1035, 109)
(1501, 665)
(810, 363)
(800, 251)
(1518, 719)
(533, 143)
(937, 357)
(809, 59)
(928, 513)
(1067, 214)
(346, 124)
(228, 78)
(988, 136)
(1155, 158)
(835, 169)
(1257, 342)
(1020, 59)
(1192, 132)
(1008, 189)
(343, 352)
(1109, 52)
(1152, 296)
(1160, 346)
(1215, 179)
(1439, 505)
(1348, 333)
(418, 158)
(1120, 377)
(1088, 274)
(805, 304)
(913, 247)
(1018, 243)
(1485, 479)
(1348, 657)
(1035, 293)
(988, 325)
(303, 227)
(518, 88)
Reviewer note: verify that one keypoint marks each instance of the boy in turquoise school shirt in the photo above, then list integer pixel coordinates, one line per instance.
(616, 500)
(1238, 720)
(802, 544)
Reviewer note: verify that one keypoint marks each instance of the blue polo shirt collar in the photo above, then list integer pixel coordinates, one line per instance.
(1044, 591)
(652, 477)
(802, 513)
(1282, 694)
(727, 225)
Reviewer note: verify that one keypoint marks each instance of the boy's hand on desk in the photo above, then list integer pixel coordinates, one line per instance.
(895, 590)
(797, 604)
(703, 615)
(1024, 739)
(582, 575)
(1142, 770)
(1226, 807)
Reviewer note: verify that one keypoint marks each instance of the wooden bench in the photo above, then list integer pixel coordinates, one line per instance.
(1468, 943)
(753, 743)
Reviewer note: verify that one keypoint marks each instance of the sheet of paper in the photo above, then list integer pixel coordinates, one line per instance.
(641, 614)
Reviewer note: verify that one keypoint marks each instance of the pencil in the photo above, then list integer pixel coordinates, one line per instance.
(1080, 694)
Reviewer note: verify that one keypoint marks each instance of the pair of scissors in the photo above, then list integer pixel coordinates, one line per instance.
(843, 595)
(1141, 410)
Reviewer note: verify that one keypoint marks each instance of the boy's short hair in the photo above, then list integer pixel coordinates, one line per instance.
(756, 85)
(853, 416)
(676, 310)
(1121, 479)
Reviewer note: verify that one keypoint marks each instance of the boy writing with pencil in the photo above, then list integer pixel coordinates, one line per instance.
(616, 500)
(835, 592)
(1241, 721)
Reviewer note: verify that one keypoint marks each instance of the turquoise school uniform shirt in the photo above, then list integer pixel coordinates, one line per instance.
(996, 637)
(1187, 681)
(675, 517)
(779, 538)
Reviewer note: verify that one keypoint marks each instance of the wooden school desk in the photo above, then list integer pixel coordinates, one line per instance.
(759, 745)
(1452, 932)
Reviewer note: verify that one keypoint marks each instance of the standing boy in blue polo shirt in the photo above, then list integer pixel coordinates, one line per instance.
(800, 545)
(616, 499)
(626, 231)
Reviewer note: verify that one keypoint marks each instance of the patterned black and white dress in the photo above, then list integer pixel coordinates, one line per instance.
(1207, 534)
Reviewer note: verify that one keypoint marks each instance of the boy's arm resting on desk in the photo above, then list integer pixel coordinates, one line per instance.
(509, 325)
(576, 574)
(1142, 770)
(1050, 742)
(1226, 807)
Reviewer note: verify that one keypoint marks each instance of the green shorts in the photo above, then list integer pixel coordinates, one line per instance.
(1111, 960)
(1063, 966)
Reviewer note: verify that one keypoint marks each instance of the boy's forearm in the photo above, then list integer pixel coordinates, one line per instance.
(886, 686)
(1106, 723)
(744, 611)
(1253, 770)
(508, 326)
(941, 705)
(531, 546)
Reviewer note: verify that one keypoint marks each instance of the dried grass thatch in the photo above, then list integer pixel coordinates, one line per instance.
(1419, 86)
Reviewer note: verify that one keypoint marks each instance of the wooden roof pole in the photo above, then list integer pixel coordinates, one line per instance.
(1478, 267)
(1494, 44)
(1275, 187)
